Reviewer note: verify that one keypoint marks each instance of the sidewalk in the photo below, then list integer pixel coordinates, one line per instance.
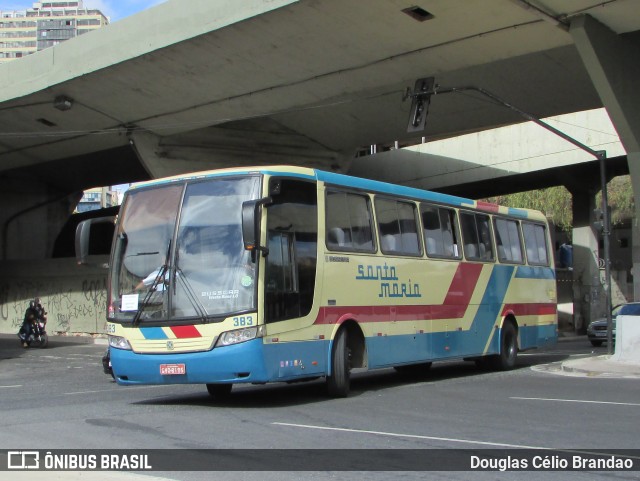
(602, 366)
(605, 365)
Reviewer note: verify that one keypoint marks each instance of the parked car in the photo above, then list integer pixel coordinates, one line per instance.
(597, 330)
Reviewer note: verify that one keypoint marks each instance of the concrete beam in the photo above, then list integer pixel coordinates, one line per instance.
(612, 63)
(245, 143)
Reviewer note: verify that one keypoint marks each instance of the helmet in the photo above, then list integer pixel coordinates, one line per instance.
(32, 304)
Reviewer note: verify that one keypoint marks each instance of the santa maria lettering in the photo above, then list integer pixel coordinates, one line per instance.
(390, 284)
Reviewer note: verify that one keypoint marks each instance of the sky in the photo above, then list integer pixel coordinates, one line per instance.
(114, 9)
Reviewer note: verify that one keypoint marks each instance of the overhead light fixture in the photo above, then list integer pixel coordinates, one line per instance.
(417, 13)
(46, 122)
(63, 103)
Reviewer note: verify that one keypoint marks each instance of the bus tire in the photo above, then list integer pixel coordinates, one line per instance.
(508, 349)
(338, 383)
(219, 392)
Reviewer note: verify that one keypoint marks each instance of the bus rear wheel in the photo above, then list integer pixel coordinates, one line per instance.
(508, 349)
(339, 382)
(219, 391)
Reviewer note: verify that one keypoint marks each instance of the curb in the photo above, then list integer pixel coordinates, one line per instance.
(601, 366)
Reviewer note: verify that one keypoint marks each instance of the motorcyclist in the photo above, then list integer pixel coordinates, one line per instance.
(42, 314)
(34, 313)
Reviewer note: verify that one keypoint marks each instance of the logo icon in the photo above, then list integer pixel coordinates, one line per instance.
(170, 345)
(23, 460)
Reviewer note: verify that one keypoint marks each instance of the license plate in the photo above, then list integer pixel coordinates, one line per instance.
(172, 369)
(601, 334)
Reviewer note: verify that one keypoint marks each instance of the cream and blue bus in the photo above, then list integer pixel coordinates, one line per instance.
(256, 275)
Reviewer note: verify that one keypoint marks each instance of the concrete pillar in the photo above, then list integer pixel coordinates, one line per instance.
(588, 294)
(612, 63)
(31, 219)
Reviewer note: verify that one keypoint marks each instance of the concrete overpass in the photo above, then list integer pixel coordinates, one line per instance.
(277, 81)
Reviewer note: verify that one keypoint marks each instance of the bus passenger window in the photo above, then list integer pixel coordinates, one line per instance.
(508, 241)
(535, 243)
(349, 222)
(476, 232)
(440, 231)
(397, 227)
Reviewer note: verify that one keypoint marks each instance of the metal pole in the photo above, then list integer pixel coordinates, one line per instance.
(606, 234)
(600, 155)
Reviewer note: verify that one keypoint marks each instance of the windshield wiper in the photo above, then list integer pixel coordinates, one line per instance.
(154, 285)
(193, 299)
(144, 254)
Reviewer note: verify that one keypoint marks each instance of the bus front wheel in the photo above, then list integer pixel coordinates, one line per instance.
(338, 383)
(219, 391)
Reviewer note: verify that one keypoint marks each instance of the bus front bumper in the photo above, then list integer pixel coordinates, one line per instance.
(239, 363)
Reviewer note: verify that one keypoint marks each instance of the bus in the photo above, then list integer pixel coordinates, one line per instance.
(256, 275)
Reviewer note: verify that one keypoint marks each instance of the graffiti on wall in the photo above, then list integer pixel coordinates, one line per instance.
(73, 305)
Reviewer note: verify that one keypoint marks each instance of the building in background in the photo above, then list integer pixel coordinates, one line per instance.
(23, 32)
(98, 198)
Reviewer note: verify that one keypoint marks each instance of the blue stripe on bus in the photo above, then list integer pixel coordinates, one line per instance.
(518, 212)
(151, 333)
(528, 272)
(491, 305)
(395, 350)
(384, 187)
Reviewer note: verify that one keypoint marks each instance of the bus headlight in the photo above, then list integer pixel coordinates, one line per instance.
(240, 335)
(119, 343)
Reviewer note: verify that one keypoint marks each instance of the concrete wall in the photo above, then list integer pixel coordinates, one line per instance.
(75, 297)
(627, 339)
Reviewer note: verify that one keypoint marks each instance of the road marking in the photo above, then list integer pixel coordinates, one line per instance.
(574, 401)
(413, 436)
(15, 385)
(451, 440)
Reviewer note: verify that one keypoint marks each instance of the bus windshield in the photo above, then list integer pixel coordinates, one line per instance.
(179, 254)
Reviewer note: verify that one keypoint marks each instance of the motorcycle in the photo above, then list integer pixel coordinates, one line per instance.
(38, 336)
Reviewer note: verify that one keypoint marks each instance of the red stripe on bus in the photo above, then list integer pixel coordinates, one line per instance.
(538, 309)
(463, 284)
(184, 332)
(454, 306)
(487, 206)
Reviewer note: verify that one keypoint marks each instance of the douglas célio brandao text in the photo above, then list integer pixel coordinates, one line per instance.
(568, 462)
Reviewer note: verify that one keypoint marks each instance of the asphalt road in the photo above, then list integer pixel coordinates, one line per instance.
(59, 398)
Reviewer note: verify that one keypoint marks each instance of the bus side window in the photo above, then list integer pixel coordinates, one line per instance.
(508, 241)
(348, 222)
(476, 232)
(397, 227)
(535, 243)
(440, 231)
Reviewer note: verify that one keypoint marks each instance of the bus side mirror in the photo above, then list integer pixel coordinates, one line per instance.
(251, 225)
(85, 242)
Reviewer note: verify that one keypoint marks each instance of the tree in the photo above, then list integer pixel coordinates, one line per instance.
(556, 202)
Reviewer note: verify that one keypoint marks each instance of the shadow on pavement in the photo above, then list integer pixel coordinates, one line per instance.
(11, 348)
(314, 391)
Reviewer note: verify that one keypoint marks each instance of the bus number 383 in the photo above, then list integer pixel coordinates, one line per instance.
(243, 321)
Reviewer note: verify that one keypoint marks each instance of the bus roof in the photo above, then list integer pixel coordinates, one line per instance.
(354, 183)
